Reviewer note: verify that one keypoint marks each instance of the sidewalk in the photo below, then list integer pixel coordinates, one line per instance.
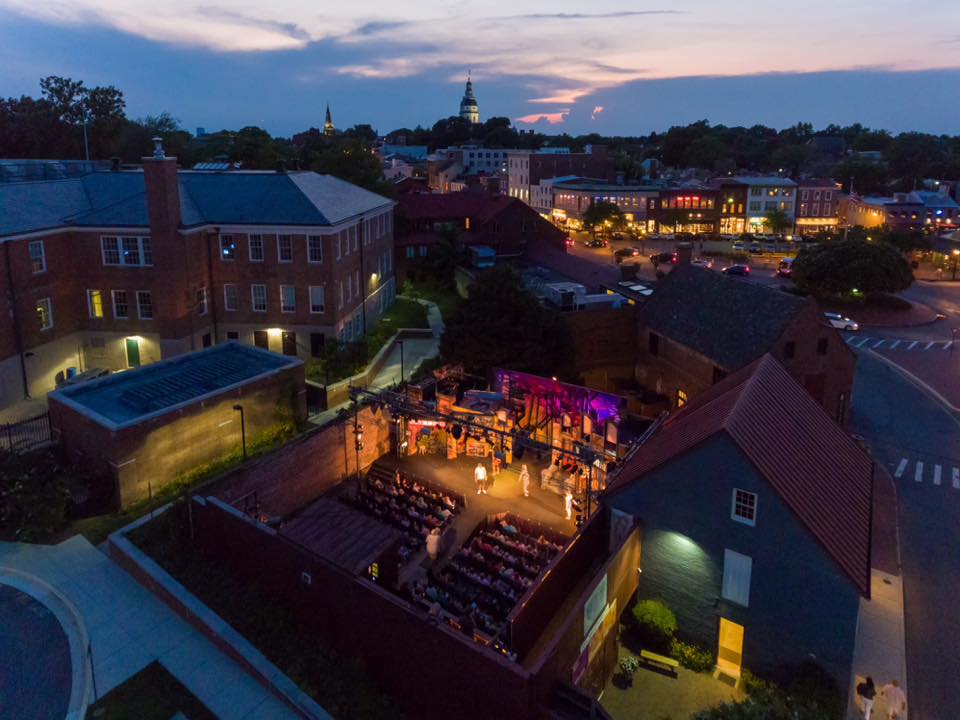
(880, 649)
(938, 370)
(129, 628)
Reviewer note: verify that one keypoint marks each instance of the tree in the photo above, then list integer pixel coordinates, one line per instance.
(838, 268)
(778, 222)
(501, 324)
(905, 240)
(599, 213)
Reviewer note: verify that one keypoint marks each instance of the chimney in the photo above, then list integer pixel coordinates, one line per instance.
(684, 253)
(163, 193)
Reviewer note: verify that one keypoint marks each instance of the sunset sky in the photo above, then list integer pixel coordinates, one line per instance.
(604, 66)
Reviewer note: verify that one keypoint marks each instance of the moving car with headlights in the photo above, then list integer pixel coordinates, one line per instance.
(625, 253)
(738, 269)
(785, 268)
(841, 322)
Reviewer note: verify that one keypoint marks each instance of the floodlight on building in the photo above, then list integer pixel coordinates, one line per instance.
(274, 332)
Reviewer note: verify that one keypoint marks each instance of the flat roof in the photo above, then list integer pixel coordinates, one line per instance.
(131, 396)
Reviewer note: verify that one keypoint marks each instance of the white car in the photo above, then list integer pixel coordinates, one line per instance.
(841, 322)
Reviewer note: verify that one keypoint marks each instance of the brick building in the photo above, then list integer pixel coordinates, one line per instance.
(502, 223)
(818, 206)
(111, 270)
(685, 210)
(526, 168)
(700, 326)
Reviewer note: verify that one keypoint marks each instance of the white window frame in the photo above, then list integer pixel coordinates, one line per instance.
(734, 515)
(42, 259)
(90, 312)
(319, 241)
(737, 574)
(356, 279)
(47, 304)
(233, 241)
(116, 249)
(144, 250)
(323, 299)
(354, 233)
(203, 300)
(113, 304)
(289, 238)
(250, 241)
(140, 315)
(339, 245)
(253, 297)
(227, 306)
(288, 309)
(340, 304)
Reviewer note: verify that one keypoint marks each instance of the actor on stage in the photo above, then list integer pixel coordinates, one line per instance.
(480, 476)
(525, 480)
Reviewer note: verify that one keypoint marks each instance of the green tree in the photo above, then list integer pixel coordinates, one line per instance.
(599, 213)
(835, 269)
(501, 324)
(778, 222)
(905, 240)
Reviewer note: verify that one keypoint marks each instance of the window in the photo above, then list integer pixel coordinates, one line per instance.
(255, 246)
(771, 205)
(121, 307)
(339, 244)
(261, 339)
(284, 248)
(842, 409)
(822, 346)
(353, 236)
(827, 194)
(356, 282)
(389, 259)
(340, 303)
(315, 249)
(258, 298)
(411, 252)
(681, 398)
(316, 299)
(228, 247)
(754, 206)
(736, 577)
(744, 508)
(756, 191)
(45, 313)
(288, 298)
(144, 305)
(423, 251)
(201, 300)
(230, 299)
(653, 343)
(233, 335)
(95, 304)
(127, 251)
(38, 258)
(789, 350)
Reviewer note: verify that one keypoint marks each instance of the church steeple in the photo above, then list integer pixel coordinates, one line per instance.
(469, 109)
(328, 127)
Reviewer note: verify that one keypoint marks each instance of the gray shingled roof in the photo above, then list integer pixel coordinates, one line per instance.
(732, 322)
(118, 199)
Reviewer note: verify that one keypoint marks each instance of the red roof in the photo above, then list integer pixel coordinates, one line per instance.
(477, 205)
(821, 474)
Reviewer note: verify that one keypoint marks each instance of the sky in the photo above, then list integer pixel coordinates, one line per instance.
(605, 66)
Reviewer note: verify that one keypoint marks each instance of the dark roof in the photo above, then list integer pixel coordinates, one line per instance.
(118, 199)
(819, 182)
(556, 258)
(336, 532)
(814, 466)
(480, 206)
(732, 322)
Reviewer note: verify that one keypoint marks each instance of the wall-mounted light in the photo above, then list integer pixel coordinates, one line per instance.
(274, 332)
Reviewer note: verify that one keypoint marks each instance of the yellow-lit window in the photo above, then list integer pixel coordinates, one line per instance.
(467, 223)
(95, 303)
(681, 398)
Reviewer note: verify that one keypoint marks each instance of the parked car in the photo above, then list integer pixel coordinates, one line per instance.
(756, 248)
(703, 262)
(738, 269)
(664, 257)
(785, 268)
(841, 322)
(738, 246)
(596, 243)
(624, 253)
(770, 248)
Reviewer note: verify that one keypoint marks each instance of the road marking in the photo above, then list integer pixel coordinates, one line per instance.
(918, 475)
(864, 342)
(929, 345)
(895, 343)
(879, 343)
(936, 474)
(956, 478)
(901, 467)
(947, 345)
(913, 344)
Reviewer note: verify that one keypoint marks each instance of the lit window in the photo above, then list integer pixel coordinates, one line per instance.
(121, 307)
(228, 247)
(45, 313)
(744, 508)
(255, 244)
(288, 298)
(411, 251)
(38, 258)
(317, 304)
(201, 299)
(144, 305)
(315, 249)
(681, 398)
(284, 248)
(230, 299)
(258, 297)
(95, 304)
(131, 251)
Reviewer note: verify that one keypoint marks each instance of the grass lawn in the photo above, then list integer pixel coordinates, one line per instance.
(340, 685)
(151, 694)
(446, 298)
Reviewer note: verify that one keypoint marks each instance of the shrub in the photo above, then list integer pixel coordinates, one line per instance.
(691, 656)
(34, 496)
(629, 665)
(656, 623)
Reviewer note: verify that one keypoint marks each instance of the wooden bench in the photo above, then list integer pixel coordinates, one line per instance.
(661, 661)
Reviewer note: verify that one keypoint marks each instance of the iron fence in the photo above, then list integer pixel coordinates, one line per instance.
(25, 434)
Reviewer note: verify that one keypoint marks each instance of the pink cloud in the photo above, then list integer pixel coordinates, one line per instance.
(552, 118)
(597, 109)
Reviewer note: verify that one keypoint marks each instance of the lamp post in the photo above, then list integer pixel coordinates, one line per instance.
(243, 429)
(403, 375)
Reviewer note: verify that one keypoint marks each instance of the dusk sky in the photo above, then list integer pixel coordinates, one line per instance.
(604, 66)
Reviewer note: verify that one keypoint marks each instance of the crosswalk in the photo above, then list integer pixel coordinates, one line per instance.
(936, 474)
(872, 343)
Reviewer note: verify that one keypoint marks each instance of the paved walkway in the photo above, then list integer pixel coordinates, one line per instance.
(129, 628)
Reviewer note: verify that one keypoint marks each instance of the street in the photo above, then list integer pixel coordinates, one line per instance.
(919, 443)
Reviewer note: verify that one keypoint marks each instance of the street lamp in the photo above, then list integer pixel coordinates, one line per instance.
(402, 373)
(243, 429)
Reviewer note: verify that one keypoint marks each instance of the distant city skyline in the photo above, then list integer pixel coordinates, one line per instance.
(555, 68)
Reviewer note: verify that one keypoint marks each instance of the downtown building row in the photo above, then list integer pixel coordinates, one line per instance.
(112, 270)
